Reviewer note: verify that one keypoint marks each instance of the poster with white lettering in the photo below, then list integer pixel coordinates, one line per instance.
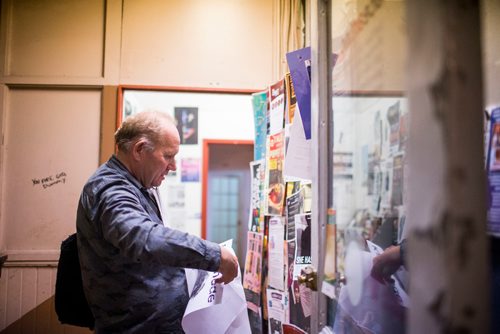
(215, 308)
(276, 107)
(303, 243)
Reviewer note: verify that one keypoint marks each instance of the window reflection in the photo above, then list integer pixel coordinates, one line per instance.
(370, 132)
(370, 135)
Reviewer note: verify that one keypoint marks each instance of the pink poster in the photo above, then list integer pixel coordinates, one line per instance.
(190, 170)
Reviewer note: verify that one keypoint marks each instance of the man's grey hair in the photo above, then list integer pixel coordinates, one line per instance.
(148, 125)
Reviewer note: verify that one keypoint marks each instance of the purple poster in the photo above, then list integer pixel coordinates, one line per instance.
(299, 62)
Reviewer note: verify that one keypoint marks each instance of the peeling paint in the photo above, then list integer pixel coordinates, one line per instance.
(436, 309)
(458, 232)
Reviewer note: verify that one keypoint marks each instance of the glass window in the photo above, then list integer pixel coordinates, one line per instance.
(370, 131)
(224, 206)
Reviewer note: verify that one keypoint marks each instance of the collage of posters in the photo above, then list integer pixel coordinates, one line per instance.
(279, 226)
(370, 139)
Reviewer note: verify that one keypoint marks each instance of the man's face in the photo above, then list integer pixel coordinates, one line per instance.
(157, 163)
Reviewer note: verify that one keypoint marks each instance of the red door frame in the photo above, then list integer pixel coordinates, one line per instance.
(204, 174)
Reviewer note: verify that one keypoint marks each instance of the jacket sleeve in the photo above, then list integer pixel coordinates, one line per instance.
(127, 225)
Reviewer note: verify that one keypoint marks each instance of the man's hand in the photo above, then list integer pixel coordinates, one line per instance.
(386, 264)
(228, 266)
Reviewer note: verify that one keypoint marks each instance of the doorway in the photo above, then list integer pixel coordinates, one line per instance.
(226, 192)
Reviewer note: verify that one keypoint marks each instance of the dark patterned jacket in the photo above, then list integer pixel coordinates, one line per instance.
(132, 265)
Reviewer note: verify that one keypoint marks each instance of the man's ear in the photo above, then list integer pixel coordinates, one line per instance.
(138, 148)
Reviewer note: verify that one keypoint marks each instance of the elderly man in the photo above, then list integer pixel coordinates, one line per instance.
(132, 265)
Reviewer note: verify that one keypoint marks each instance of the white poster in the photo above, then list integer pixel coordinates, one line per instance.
(276, 251)
(277, 306)
(215, 308)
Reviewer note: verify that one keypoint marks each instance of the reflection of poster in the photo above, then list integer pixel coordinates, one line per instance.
(397, 181)
(393, 119)
(190, 170)
(403, 131)
(385, 201)
(187, 124)
(343, 164)
(370, 177)
(378, 137)
(493, 170)
(377, 188)
(257, 175)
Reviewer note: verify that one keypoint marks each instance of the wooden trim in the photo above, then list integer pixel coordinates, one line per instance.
(204, 174)
(32, 255)
(3, 258)
(108, 122)
(119, 107)
(31, 258)
(31, 264)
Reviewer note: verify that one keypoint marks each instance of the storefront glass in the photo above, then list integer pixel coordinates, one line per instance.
(370, 133)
